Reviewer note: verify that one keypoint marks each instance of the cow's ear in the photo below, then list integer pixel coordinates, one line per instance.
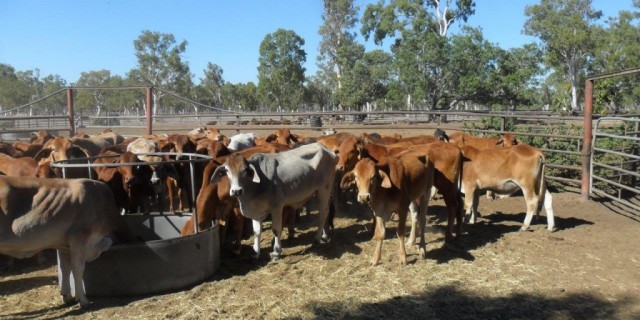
(220, 172)
(168, 147)
(270, 138)
(77, 152)
(386, 181)
(500, 141)
(294, 138)
(42, 154)
(348, 180)
(395, 172)
(256, 178)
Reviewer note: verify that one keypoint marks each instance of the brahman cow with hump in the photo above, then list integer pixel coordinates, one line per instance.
(75, 216)
(391, 185)
(266, 183)
(505, 171)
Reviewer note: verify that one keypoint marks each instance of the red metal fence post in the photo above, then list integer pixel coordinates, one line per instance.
(149, 110)
(586, 146)
(72, 124)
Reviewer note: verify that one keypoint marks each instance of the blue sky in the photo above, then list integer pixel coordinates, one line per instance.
(73, 36)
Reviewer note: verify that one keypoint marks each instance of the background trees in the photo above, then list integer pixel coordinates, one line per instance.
(280, 71)
(428, 59)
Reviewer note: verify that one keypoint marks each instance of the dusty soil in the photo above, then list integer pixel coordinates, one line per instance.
(589, 269)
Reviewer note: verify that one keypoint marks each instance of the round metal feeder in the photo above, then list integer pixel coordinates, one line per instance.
(164, 261)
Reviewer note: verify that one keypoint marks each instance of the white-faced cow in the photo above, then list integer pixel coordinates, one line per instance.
(75, 216)
(505, 171)
(266, 183)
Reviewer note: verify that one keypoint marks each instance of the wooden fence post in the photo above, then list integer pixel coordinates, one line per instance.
(72, 124)
(149, 112)
(586, 146)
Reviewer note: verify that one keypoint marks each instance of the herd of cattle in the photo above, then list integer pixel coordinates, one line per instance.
(248, 176)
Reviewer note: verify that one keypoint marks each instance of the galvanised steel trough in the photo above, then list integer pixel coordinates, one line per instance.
(164, 262)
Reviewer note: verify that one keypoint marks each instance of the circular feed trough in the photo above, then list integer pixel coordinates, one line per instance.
(163, 261)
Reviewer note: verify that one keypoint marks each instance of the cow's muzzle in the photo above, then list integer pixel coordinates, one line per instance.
(364, 198)
(235, 192)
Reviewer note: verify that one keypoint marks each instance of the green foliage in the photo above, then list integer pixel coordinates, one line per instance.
(280, 71)
(565, 28)
(493, 123)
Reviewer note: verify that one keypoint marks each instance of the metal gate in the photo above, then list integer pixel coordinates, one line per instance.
(615, 161)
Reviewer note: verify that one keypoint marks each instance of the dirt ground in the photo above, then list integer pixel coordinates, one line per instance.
(589, 269)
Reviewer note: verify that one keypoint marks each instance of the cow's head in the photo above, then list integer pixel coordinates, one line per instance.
(507, 140)
(349, 153)
(441, 135)
(58, 149)
(240, 173)
(366, 176)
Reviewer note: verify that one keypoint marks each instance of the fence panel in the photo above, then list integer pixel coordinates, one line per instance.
(615, 161)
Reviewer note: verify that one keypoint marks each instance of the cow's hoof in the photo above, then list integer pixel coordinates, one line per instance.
(86, 305)
(68, 299)
(275, 256)
(552, 229)
(523, 228)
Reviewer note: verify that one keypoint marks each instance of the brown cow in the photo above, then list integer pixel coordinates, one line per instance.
(75, 216)
(129, 182)
(283, 136)
(505, 171)
(391, 186)
(447, 160)
(24, 167)
(461, 139)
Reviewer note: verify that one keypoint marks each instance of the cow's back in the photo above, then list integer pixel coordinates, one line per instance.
(297, 173)
(44, 213)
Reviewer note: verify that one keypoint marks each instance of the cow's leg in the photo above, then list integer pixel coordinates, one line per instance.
(532, 205)
(276, 227)
(378, 237)
(170, 195)
(257, 230)
(548, 203)
(238, 229)
(452, 203)
(402, 223)
(414, 207)
(422, 224)
(64, 259)
(289, 219)
(475, 200)
(469, 192)
(323, 213)
(77, 266)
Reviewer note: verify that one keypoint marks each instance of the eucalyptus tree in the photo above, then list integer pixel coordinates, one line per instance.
(95, 98)
(13, 91)
(339, 19)
(367, 75)
(421, 48)
(615, 52)
(565, 28)
(211, 85)
(280, 71)
(161, 64)
(517, 77)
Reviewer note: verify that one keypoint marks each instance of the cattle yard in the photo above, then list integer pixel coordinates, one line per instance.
(589, 268)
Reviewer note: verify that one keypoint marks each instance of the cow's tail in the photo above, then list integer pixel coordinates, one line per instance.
(540, 183)
(459, 198)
